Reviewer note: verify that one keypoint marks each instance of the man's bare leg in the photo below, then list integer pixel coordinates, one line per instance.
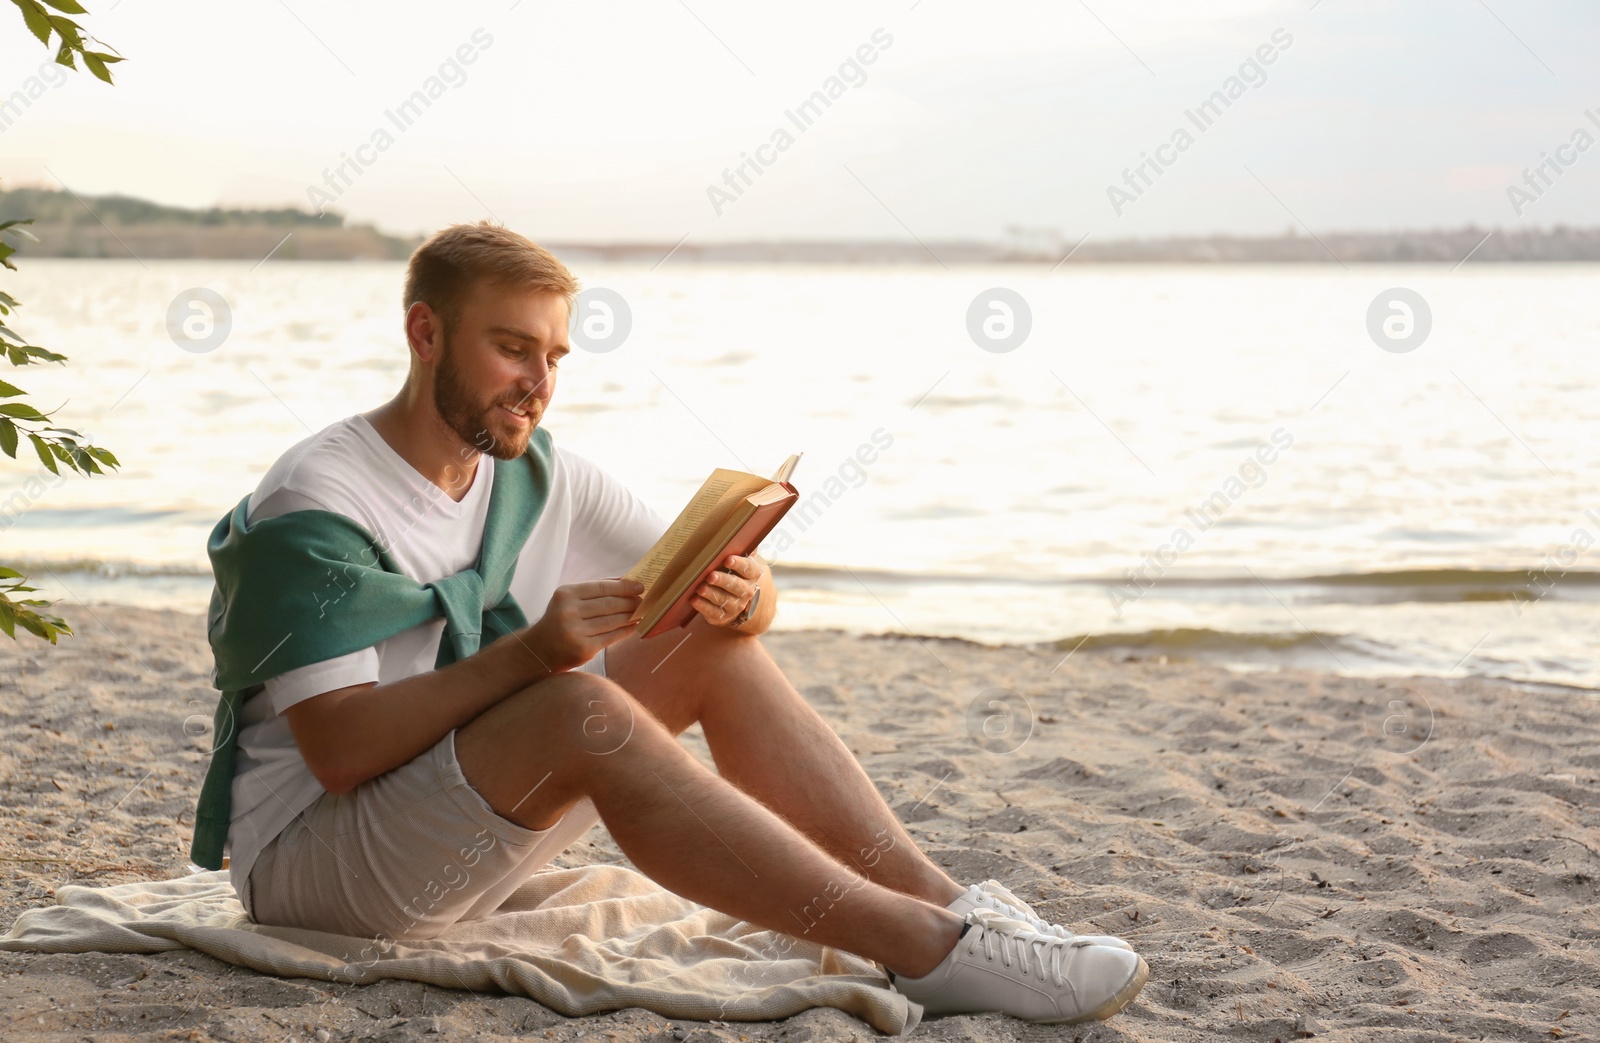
(536, 753)
(767, 740)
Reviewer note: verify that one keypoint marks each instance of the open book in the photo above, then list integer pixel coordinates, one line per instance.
(730, 516)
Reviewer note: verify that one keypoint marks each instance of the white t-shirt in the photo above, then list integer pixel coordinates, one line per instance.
(592, 527)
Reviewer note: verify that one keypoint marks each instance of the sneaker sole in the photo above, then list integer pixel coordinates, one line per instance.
(1112, 1006)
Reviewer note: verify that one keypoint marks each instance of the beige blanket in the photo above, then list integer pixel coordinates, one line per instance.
(579, 941)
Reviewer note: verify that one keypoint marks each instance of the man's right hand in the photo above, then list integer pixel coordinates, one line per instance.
(583, 618)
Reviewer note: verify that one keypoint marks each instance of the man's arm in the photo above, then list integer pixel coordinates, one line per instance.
(350, 735)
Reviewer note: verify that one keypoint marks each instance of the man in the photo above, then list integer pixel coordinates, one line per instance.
(393, 789)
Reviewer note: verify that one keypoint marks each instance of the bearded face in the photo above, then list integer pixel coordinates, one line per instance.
(487, 424)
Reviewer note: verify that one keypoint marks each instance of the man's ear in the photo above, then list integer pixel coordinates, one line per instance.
(424, 331)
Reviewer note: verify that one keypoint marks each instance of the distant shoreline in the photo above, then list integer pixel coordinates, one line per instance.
(254, 243)
(120, 227)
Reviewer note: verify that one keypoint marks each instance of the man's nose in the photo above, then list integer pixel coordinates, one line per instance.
(539, 383)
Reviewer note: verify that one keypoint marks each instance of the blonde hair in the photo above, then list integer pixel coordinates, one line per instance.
(443, 270)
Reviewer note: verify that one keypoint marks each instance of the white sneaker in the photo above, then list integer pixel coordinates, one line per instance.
(1003, 964)
(991, 894)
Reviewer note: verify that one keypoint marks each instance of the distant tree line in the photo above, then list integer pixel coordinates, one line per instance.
(50, 206)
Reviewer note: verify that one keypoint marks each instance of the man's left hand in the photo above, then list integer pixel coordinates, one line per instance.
(724, 595)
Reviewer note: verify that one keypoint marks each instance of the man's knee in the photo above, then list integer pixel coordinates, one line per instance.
(539, 749)
(581, 711)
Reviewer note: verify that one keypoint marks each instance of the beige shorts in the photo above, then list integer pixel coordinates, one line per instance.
(404, 855)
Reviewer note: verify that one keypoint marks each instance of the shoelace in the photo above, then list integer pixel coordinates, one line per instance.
(1009, 904)
(1016, 940)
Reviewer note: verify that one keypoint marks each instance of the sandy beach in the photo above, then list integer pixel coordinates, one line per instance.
(1293, 853)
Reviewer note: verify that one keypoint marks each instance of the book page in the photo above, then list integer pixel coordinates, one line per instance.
(786, 470)
(715, 530)
(716, 501)
(648, 569)
(771, 494)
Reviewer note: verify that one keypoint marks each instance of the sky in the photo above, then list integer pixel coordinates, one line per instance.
(629, 121)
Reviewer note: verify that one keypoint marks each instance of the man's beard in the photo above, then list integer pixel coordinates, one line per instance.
(471, 421)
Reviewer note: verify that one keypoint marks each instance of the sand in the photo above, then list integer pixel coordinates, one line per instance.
(1392, 859)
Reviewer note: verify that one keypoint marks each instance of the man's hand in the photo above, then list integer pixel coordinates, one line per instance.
(724, 595)
(583, 618)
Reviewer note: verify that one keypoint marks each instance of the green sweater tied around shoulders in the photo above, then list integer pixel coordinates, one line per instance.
(313, 585)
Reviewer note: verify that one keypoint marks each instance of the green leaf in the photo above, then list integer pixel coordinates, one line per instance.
(45, 456)
(8, 444)
(64, 56)
(96, 66)
(67, 6)
(37, 625)
(38, 20)
(15, 228)
(21, 410)
(67, 456)
(6, 573)
(71, 32)
(8, 618)
(103, 455)
(40, 353)
(7, 390)
(22, 354)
